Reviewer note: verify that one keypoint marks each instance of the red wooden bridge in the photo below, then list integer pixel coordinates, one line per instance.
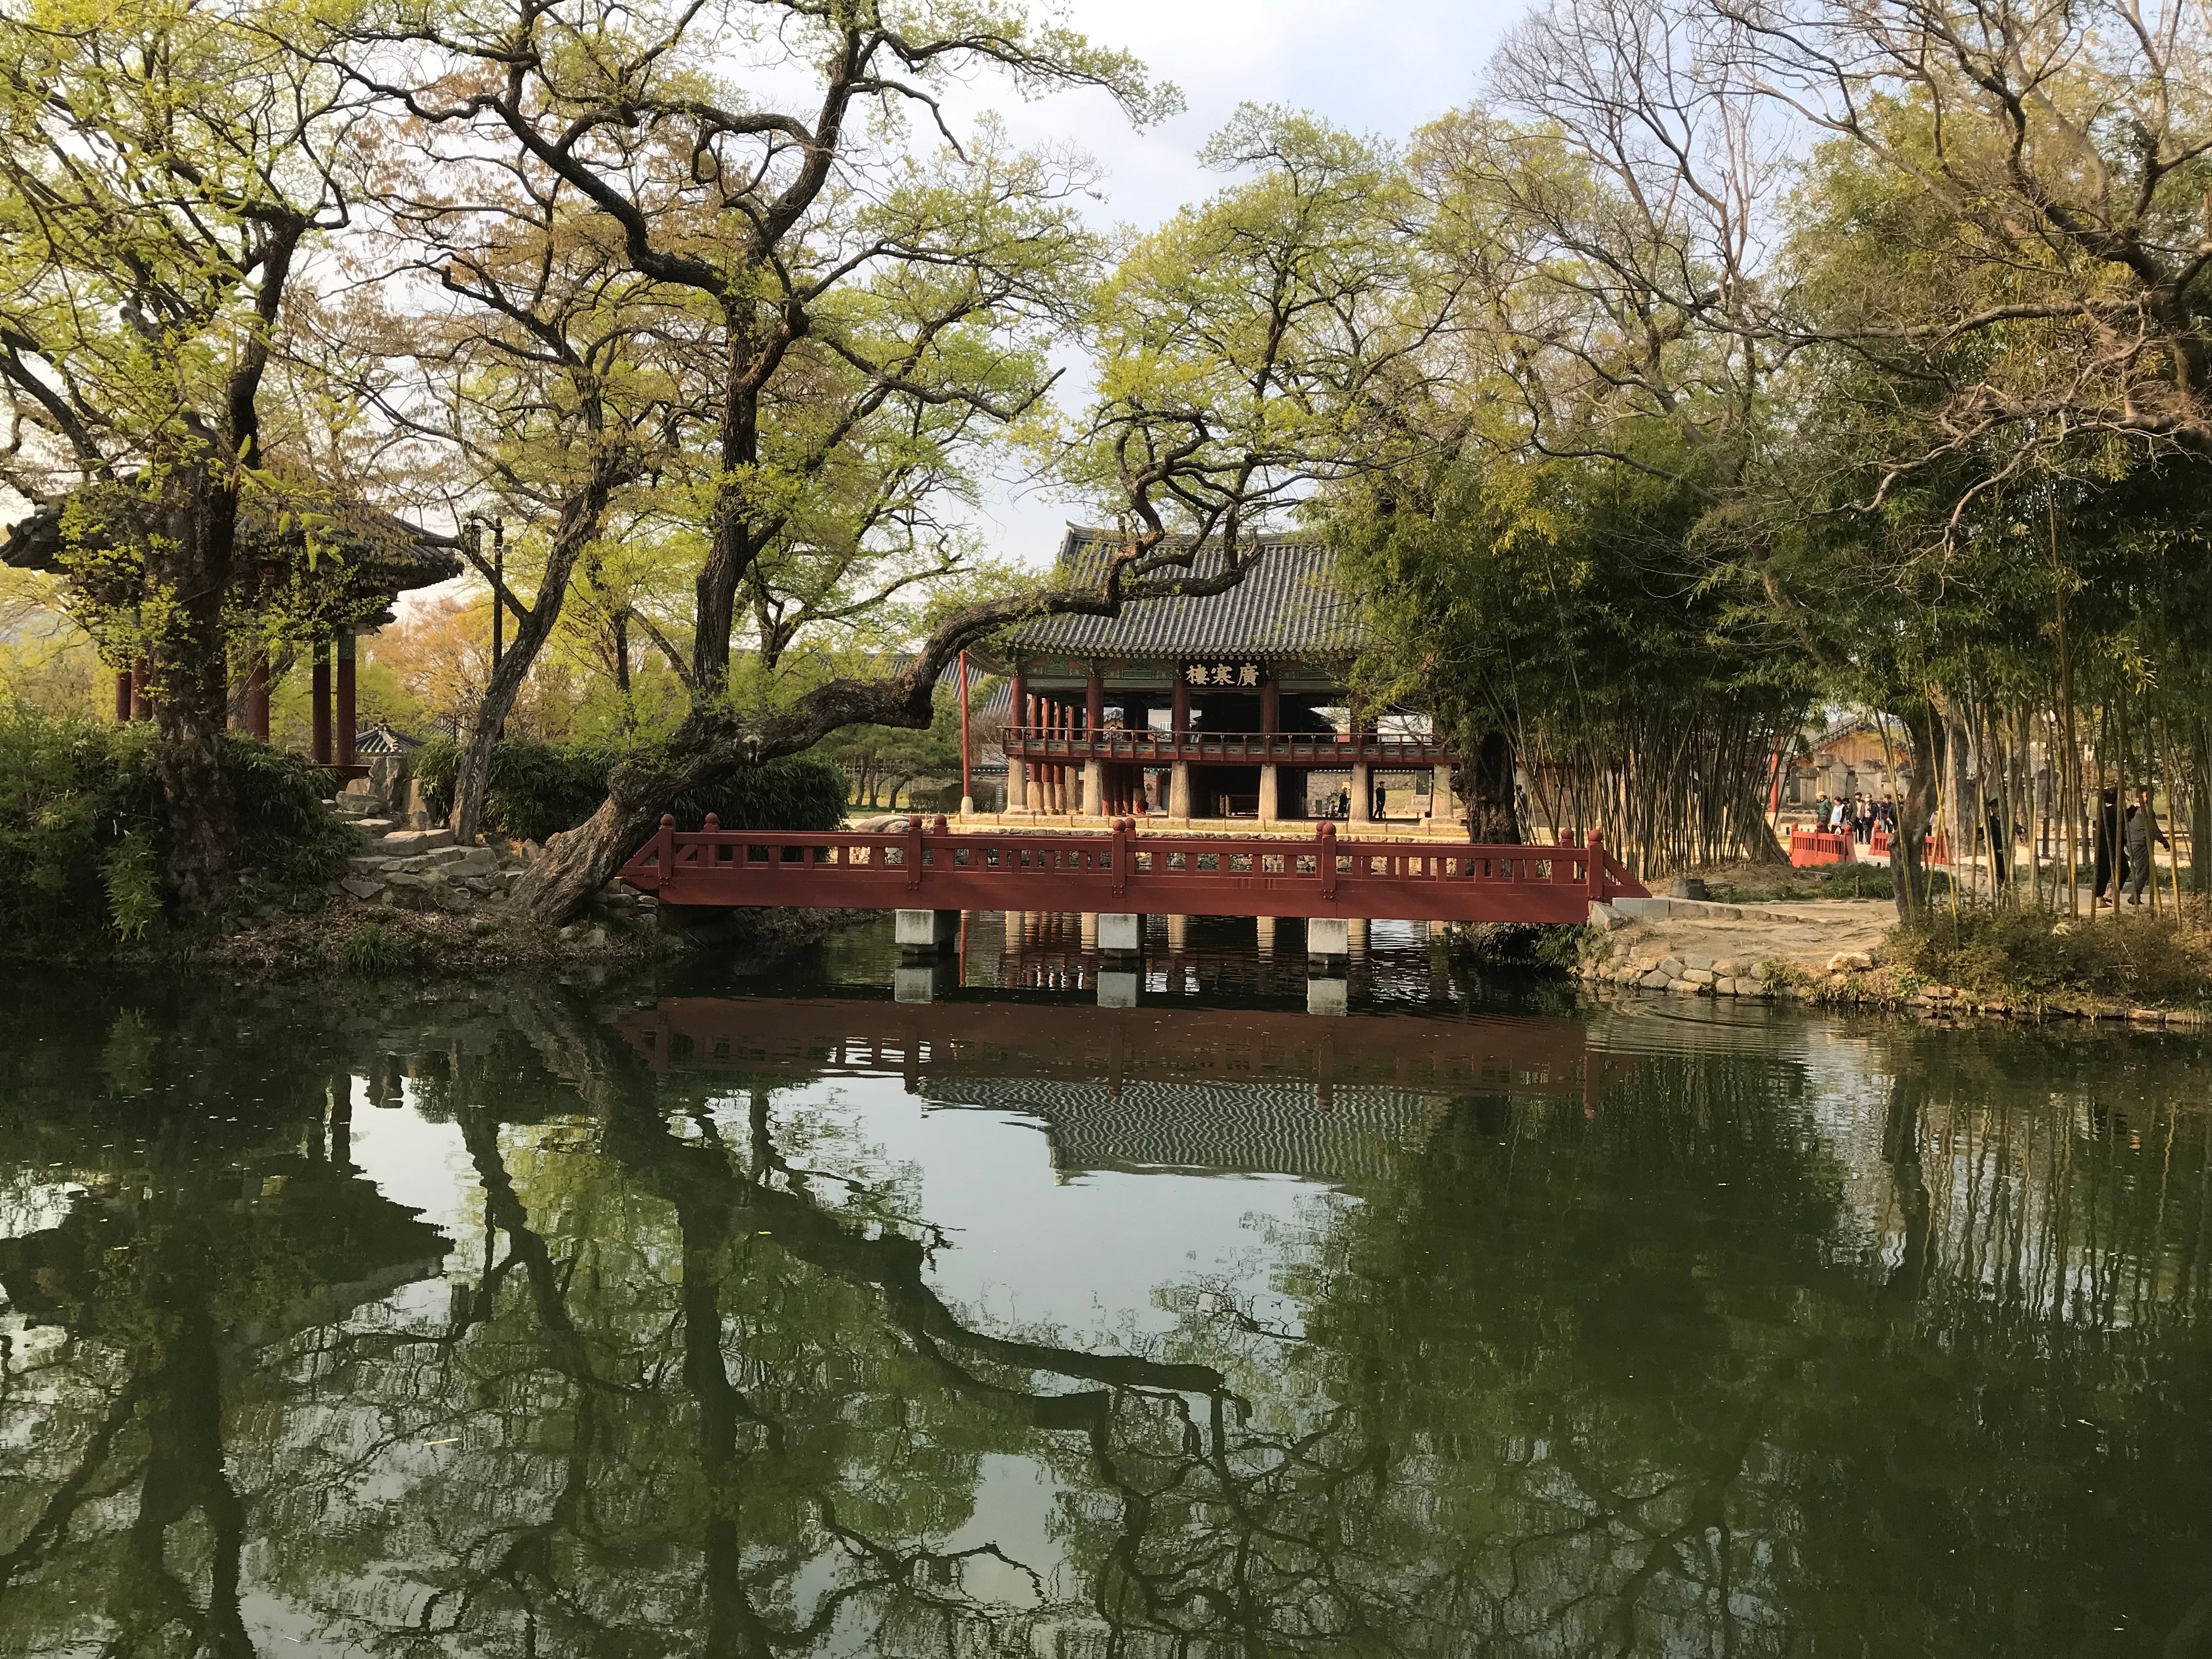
(931, 869)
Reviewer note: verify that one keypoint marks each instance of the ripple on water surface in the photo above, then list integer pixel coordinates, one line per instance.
(747, 1309)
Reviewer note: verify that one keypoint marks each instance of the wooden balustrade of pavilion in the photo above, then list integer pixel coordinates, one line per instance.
(380, 557)
(1224, 708)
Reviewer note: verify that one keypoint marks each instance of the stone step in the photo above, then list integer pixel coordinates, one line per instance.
(402, 843)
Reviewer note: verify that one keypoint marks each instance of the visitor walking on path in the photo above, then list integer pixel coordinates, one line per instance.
(2143, 830)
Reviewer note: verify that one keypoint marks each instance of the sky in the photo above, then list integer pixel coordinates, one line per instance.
(1382, 67)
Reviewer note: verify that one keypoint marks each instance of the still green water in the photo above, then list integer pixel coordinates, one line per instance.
(759, 1313)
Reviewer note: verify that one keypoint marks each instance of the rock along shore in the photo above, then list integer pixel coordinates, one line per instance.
(1822, 953)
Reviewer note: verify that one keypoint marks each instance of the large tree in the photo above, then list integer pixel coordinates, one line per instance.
(165, 168)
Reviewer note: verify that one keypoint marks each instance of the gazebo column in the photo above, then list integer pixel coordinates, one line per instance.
(342, 649)
(319, 696)
(1362, 781)
(142, 707)
(1094, 722)
(122, 695)
(1017, 771)
(1179, 772)
(256, 695)
(1030, 778)
(1271, 721)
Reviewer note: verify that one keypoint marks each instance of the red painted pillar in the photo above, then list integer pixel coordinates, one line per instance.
(1271, 705)
(319, 694)
(1018, 708)
(122, 695)
(142, 708)
(257, 697)
(342, 646)
(1094, 704)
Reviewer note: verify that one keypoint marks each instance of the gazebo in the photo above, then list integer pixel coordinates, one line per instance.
(382, 557)
(1232, 706)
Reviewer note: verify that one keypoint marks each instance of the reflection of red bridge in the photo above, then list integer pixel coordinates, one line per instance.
(1126, 872)
(1114, 1046)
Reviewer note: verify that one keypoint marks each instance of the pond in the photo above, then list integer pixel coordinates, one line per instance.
(747, 1310)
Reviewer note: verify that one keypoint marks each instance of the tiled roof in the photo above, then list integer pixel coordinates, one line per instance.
(1288, 607)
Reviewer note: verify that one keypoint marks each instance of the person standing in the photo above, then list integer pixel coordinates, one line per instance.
(2143, 832)
(2000, 843)
(2105, 845)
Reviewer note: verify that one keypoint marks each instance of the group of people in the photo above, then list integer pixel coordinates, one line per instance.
(2131, 837)
(1861, 815)
(2122, 843)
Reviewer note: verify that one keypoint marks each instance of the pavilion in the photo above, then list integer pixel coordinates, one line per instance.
(381, 557)
(1232, 706)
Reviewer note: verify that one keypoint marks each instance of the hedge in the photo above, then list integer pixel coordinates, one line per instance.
(539, 788)
(84, 833)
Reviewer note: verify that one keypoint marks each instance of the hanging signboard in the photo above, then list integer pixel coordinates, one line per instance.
(1225, 675)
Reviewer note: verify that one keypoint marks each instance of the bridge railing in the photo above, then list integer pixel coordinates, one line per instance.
(927, 868)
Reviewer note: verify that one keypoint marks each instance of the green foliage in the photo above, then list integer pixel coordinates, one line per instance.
(84, 834)
(134, 891)
(373, 950)
(539, 789)
(2027, 954)
(880, 761)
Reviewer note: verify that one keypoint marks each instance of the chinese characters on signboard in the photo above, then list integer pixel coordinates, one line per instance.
(1226, 675)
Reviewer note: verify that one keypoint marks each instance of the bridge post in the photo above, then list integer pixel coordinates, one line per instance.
(925, 930)
(1594, 868)
(1329, 938)
(1120, 934)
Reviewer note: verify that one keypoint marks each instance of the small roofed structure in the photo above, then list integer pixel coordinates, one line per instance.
(378, 555)
(1233, 705)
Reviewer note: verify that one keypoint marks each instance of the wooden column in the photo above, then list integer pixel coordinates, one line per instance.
(122, 694)
(1094, 703)
(318, 696)
(1180, 709)
(342, 646)
(142, 708)
(1271, 705)
(257, 697)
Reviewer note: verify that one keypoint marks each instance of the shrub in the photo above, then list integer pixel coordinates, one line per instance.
(2029, 954)
(540, 788)
(84, 837)
(373, 950)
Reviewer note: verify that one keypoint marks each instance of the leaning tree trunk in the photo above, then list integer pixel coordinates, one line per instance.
(188, 684)
(580, 518)
(577, 863)
(1493, 818)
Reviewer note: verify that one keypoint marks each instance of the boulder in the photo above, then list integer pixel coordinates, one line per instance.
(1656, 980)
(1848, 962)
(361, 888)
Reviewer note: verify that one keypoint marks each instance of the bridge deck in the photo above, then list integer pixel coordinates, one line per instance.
(1124, 872)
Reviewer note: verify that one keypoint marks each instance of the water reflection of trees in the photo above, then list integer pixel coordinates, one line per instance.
(1709, 1368)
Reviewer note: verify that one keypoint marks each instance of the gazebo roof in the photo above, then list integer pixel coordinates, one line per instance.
(391, 555)
(1289, 607)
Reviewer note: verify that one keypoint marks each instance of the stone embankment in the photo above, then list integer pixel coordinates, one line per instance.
(423, 870)
(1826, 952)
